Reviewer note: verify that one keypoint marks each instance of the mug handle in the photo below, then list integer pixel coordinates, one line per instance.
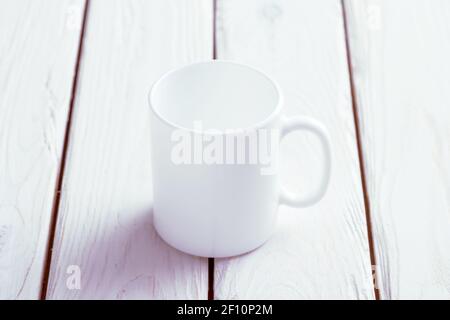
(304, 123)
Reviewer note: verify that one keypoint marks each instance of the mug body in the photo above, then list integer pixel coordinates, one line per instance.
(215, 133)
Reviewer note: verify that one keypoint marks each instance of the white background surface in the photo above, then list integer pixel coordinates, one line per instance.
(401, 75)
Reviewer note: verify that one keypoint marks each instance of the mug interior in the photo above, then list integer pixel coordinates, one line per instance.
(221, 95)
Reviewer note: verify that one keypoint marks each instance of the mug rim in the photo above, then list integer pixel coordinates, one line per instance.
(258, 125)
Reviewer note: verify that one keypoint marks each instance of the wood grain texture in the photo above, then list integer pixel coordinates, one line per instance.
(322, 251)
(38, 49)
(400, 51)
(105, 222)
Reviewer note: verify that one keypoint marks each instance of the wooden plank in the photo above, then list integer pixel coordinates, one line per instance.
(322, 251)
(400, 52)
(105, 231)
(38, 49)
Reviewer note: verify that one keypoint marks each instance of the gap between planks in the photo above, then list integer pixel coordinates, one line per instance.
(60, 176)
(211, 261)
(360, 153)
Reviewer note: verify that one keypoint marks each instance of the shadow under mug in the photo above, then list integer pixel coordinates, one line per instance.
(216, 128)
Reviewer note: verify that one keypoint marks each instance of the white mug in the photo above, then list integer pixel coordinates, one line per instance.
(215, 132)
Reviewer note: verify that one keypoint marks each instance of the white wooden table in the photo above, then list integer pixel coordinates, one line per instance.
(75, 171)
